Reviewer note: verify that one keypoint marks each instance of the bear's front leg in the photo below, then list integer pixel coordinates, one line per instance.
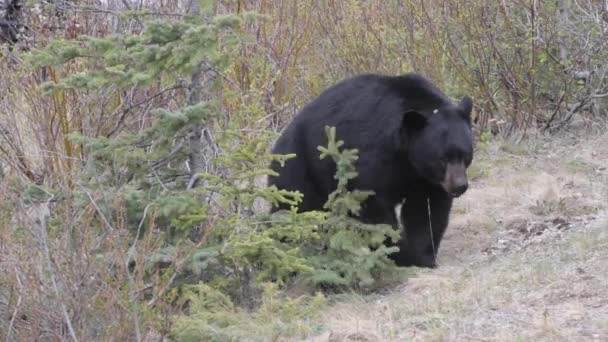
(424, 216)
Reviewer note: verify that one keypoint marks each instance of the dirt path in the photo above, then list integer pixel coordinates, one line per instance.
(525, 257)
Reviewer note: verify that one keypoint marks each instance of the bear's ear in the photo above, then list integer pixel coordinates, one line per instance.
(466, 106)
(413, 121)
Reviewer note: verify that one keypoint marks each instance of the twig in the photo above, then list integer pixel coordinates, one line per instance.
(47, 254)
(573, 111)
(178, 269)
(159, 163)
(210, 67)
(12, 322)
(141, 223)
(476, 339)
(559, 104)
(91, 9)
(598, 96)
(132, 292)
(103, 217)
(192, 182)
(428, 207)
(160, 181)
(14, 316)
(126, 3)
(128, 109)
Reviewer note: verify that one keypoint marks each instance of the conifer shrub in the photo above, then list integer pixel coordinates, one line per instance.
(193, 259)
(353, 253)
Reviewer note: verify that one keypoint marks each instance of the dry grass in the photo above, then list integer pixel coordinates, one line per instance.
(525, 257)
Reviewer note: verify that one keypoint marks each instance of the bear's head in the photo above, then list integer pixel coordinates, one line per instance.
(439, 144)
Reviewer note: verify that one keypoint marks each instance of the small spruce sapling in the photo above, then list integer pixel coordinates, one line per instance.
(354, 253)
(252, 239)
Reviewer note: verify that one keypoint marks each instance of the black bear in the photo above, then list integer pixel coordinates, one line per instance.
(414, 148)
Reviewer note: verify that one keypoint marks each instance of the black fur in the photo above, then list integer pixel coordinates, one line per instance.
(406, 131)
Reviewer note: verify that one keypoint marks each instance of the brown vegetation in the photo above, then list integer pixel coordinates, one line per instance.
(525, 256)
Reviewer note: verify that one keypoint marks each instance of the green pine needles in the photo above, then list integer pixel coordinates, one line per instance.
(200, 252)
(354, 254)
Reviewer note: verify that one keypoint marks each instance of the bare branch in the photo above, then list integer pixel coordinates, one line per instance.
(43, 239)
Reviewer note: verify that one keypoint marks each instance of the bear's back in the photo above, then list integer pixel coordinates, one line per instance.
(364, 109)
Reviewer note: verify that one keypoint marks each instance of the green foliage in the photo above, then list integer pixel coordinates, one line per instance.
(111, 147)
(354, 254)
(483, 142)
(213, 317)
(250, 240)
(204, 240)
(165, 50)
(329, 250)
(203, 252)
(485, 137)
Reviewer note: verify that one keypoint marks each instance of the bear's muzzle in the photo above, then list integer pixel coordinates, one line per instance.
(455, 181)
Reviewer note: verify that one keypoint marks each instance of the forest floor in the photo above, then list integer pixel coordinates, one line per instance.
(525, 257)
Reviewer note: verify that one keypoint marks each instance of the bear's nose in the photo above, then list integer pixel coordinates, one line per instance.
(459, 190)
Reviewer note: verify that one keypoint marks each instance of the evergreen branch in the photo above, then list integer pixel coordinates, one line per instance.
(179, 266)
(131, 107)
(168, 158)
